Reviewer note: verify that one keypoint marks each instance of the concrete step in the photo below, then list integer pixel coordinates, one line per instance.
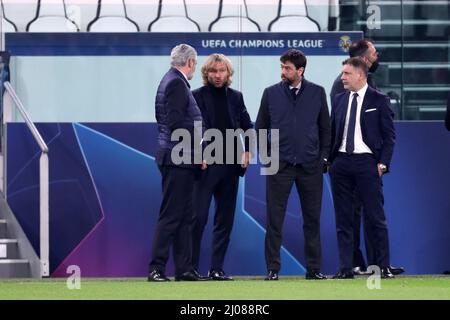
(2, 228)
(14, 268)
(9, 249)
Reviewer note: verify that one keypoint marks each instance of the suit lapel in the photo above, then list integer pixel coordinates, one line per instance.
(209, 106)
(366, 101)
(341, 113)
(231, 106)
(180, 75)
(365, 105)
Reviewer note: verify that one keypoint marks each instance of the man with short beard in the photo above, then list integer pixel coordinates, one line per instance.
(222, 108)
(298, 109)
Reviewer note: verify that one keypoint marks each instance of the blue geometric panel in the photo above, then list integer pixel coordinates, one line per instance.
(105, 192)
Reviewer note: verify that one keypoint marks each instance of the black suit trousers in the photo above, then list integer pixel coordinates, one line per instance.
(309, 184)
(347, 173)
(358, 258)
(175, 220)
(221, 183)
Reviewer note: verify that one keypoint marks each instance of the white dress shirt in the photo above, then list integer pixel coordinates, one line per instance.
(298, 87)
(360, 146)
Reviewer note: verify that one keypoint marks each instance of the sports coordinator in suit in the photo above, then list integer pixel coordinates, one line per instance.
(175, 109)
(366, 50)
(298, 109)
(222, 108)
(362, 143)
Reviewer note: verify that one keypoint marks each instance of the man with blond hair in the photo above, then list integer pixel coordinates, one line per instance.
(222, 108)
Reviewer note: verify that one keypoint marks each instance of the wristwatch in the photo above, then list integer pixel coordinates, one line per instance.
(382, 167)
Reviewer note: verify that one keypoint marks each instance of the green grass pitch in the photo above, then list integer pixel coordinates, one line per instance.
(245, 288)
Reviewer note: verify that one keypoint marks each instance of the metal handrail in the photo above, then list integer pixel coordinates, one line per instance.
(26, 117)
(43, 180)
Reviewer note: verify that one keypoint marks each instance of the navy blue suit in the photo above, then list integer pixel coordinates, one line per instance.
(360, 171)
(358, 258)
(220, 181)
(175, 109)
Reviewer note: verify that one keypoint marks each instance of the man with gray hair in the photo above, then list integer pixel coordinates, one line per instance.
(175, 109)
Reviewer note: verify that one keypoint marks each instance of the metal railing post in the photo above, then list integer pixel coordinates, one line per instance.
(44, 218)
(44, 214)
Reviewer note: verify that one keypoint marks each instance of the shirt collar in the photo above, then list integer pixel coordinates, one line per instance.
(361, 92)
(297, 87)
(184, 75)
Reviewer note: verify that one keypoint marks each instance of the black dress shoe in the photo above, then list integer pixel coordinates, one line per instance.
(358, 271)
(157, 276)
(219, 275)
(190, 276)
(396, 270)
(315, 275)
(204, 278)
(344, 275)
(386, 273)
(272, 275)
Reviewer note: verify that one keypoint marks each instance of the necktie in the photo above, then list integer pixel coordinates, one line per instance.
(350, 145)
(294, 93)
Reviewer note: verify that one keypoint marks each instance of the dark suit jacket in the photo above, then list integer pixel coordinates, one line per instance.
(175, 108)
(303, 123)
(240, 119)
(377, 124)
(447, 116)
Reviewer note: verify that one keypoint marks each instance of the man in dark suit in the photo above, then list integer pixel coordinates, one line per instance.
(175, 109)
(222, 108)
(298, 109)
(366, 50)
(362, 143)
